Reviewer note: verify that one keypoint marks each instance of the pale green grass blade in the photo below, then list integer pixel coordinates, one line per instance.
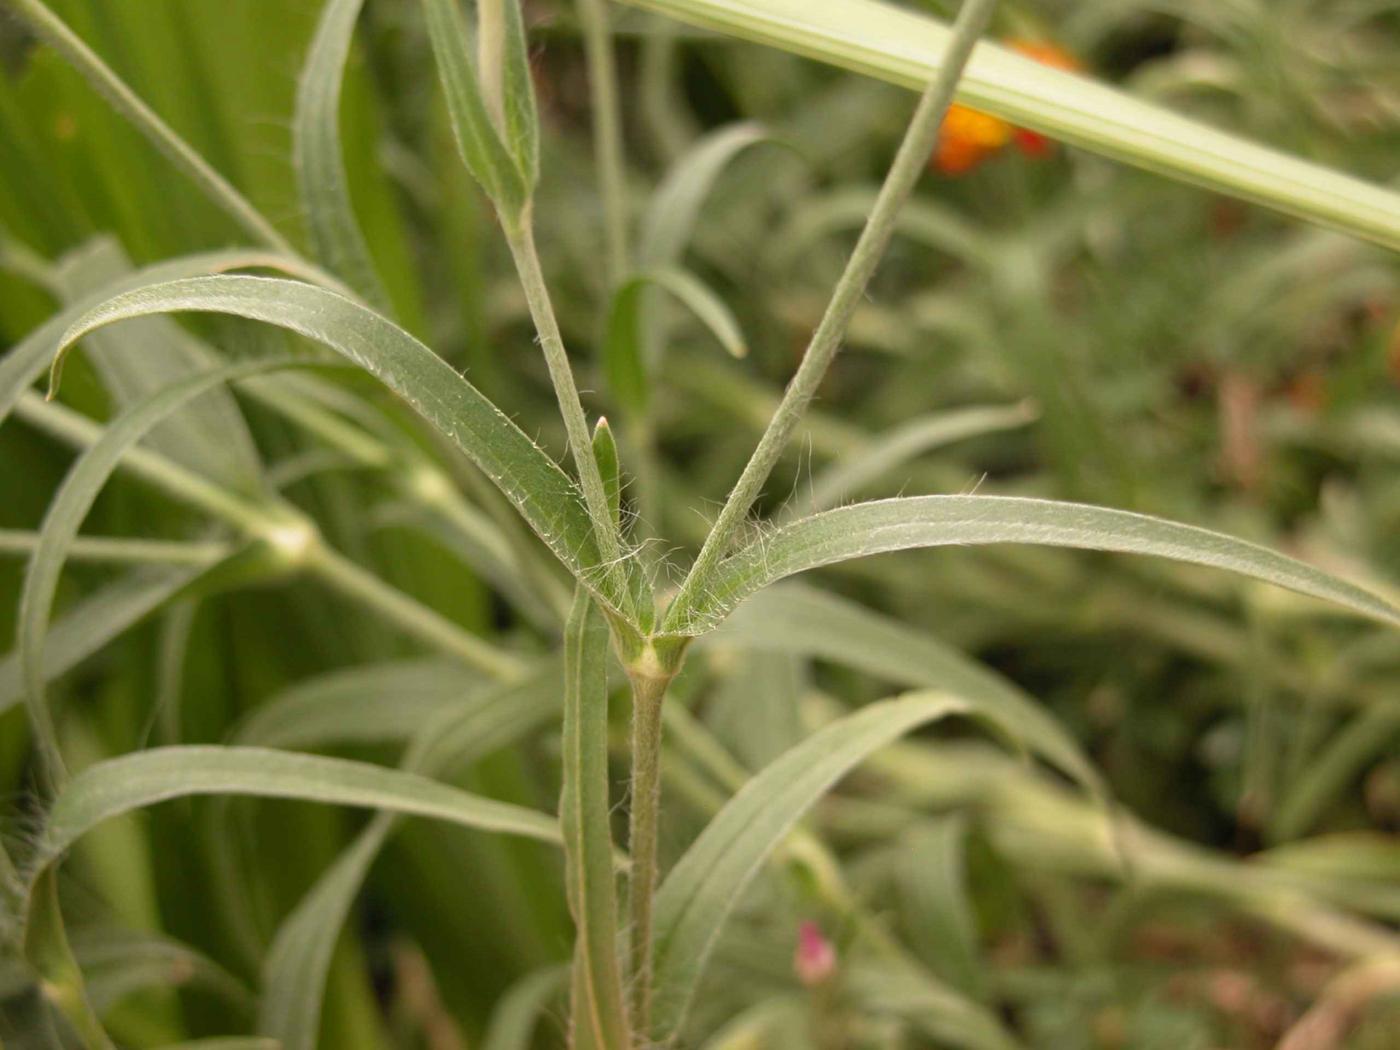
(543, 494)
(705, 885)
(209, 436)
(802, 621)
(127, 103)
(935, 521)
(28, 359)
(104, 614)
(626, 360)
(756, 708)
(852, 473)
(70, 505)
(375, 703)
(585, 809)
(898, 45)
(296, 968)
(336, 238)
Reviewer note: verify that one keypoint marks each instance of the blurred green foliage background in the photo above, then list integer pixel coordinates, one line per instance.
(1163, 349)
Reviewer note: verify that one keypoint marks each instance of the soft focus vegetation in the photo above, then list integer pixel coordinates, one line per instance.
(434, 625)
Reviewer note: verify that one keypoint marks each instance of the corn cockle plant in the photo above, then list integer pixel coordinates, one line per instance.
(636, 966)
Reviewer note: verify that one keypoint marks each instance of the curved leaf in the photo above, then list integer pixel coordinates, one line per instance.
(544, 495)
(626, 360)
(703, 888)
(336, 238)
(675, 206)
(120, 785)
(938, 521)
(881, 40)
(27, 360)
(210, 437)
(478, 141)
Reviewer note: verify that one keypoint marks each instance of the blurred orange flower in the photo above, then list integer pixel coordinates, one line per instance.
(969, 136)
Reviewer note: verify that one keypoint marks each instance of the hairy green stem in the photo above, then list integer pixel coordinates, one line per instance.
(607, 136)
(648, 694)
(899, 183)
(56, 33)
(521, 238)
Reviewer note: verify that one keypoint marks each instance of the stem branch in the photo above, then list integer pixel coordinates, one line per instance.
(899, 183)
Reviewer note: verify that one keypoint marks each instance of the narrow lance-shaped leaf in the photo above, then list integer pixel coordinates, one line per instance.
(521, 113)
(336, 238)
(881, 40)
(542, 493)
(708, 881)
(585, 809)
(478, 141)
(934, 521)
(70, 505)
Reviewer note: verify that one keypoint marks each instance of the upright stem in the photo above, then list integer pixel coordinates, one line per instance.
(903, 175)
(521, 238)
(607, 136)
(648, 692)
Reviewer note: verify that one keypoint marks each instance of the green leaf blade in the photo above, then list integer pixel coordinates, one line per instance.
(543, 494)
(935, 521)
(704, 887)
